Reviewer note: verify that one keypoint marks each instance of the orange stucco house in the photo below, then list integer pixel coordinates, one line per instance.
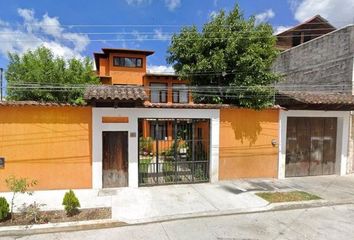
(138, 129)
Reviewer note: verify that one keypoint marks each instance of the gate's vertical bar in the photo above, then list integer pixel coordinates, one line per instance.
(157, 149)
(175, 148)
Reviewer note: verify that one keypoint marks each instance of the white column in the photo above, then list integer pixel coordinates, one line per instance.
(282, 144)
(344, 130)
(133, 153)
(96, 149)
(214, 148)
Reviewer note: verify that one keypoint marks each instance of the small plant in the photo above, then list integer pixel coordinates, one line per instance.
(146, 145)
(4, 208)
(71, 203)
(33, 212)
(18, 185)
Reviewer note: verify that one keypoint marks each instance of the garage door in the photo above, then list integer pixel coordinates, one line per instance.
(310, 146)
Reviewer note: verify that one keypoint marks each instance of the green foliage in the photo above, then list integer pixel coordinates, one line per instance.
(229, 51)
(4, 208)
(18, 185)
(146, 145)
(71, 203)
(41, 68)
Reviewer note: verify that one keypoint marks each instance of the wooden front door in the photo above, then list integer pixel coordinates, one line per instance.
(115, 159)
(310, 146)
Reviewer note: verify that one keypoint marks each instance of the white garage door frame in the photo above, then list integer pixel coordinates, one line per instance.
(343, 130)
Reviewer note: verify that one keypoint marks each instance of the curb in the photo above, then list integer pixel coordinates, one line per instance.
(10, 231)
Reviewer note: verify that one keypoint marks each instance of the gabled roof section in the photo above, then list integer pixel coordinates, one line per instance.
(318, 19)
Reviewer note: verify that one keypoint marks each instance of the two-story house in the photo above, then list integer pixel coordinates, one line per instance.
(147, 130)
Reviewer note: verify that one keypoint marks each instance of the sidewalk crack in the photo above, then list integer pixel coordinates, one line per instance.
(168, 237)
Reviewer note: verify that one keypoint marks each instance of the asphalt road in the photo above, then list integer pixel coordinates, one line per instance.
(336, 222)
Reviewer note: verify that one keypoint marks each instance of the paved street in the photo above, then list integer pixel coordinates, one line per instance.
(316, 223)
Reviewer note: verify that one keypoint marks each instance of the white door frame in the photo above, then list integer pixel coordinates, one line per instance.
(132, 127)
(343, 129)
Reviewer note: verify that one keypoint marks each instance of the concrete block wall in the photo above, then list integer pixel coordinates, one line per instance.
(326, 61)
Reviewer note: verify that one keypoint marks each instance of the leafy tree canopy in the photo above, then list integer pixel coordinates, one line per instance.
(31, 76)
(231, 54)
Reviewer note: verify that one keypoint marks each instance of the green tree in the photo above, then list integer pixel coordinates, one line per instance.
(31, 76)
(231, 54)
(18, 185)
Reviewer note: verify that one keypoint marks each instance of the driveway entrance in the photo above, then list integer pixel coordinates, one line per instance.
(310, 146)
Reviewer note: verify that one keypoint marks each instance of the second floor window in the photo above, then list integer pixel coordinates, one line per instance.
(180, 93)
(127, 62)
(158, 93)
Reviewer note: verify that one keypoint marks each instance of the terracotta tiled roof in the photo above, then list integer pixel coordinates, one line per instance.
(330, 101)
(35, 103)
(319, 98)
(115, 92)
(185, 105)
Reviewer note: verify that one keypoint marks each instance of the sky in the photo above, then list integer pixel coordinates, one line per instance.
(77, 28)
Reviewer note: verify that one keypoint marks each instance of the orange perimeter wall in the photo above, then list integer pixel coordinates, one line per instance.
(246, 149)
(48, 144)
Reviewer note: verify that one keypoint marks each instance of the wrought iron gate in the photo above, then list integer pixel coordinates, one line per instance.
(173, 151)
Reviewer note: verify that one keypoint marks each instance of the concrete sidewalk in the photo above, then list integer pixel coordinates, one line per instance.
(136, 205)
(165, 202)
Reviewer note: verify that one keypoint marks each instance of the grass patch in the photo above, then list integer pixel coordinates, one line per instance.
(276, 197)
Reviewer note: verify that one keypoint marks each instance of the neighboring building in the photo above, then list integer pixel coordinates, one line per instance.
(316, 88)
(325, 63)
(304, 32)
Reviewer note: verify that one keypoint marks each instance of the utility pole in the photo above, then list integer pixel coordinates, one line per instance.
(1, 90)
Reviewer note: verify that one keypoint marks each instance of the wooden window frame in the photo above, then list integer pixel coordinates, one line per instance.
(159, 92)
(175, 91)
(136, 60)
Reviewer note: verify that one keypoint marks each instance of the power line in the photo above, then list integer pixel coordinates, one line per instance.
(134, 32)
(162, 38)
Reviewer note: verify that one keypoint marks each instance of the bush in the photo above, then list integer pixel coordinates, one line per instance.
(33, 212)
(71, 203)
(4, 208)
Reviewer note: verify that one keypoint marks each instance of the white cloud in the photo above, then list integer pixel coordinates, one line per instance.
(3, 23)
(216, 3)
(172, 4)
(138, 2)
(264, 16)
(46, 31)
(160, 69)
(338, 13)
(280, 29)
(160, 35)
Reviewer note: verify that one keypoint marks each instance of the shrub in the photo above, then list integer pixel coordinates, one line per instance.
(71, 203)
(33, 212)
(4, 208)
